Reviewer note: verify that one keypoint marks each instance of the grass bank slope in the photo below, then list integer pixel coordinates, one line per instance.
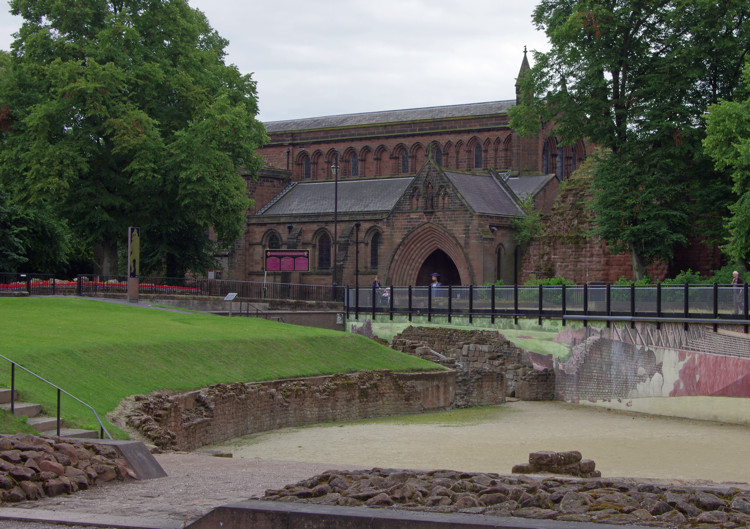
(102, 352)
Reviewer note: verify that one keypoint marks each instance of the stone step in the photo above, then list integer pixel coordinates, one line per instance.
(5, 395)
(24, 409)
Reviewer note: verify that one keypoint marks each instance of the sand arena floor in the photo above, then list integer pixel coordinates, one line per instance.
(621, 444)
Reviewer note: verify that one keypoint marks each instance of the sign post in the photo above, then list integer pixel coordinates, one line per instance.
(134, 262)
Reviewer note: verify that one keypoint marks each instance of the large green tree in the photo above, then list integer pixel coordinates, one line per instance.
(728, 143)
(635, 78)
(124, 113)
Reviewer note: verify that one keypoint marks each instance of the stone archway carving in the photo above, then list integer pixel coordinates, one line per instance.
(417, 247)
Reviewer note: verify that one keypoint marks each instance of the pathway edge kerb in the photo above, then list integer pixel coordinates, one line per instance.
(93, 520)
(268, 515)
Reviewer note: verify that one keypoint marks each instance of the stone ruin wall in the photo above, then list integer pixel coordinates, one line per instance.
(487, 364)
(187, 421)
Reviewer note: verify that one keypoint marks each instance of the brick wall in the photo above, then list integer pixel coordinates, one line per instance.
(218, 413)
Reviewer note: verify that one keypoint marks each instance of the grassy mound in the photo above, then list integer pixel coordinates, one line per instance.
(102, 352)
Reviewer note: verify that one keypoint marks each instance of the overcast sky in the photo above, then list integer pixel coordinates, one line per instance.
(325, 57)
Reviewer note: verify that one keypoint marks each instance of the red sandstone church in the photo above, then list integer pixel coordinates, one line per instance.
(412, 192)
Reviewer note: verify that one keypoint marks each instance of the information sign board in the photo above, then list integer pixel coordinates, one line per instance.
(287, 260)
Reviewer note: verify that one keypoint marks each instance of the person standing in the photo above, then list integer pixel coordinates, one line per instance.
(436, 280)
(376, 282)
(738, 293)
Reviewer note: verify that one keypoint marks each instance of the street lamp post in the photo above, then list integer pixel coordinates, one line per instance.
(335, 170)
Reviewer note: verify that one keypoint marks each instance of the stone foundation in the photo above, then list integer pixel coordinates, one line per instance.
(486, 363)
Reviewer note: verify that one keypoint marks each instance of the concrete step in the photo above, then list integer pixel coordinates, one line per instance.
(24, 409)
(73, 432)
(42, 424)
(5, 395)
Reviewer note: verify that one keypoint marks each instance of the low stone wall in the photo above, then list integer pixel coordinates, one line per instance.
(187, 421)
(34, 467)
(486, 363)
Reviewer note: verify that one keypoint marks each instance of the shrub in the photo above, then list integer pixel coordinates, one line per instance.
(625, 281)
(723, 275)
(550, 281)
(686, 276)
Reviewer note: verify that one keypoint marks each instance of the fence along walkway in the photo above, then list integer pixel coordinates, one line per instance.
(713, 304)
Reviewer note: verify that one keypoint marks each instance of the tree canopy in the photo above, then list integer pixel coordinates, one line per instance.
(636, 78)
(728, 143)
(123, 113)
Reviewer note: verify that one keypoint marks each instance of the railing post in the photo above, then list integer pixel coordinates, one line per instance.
(410, 304)
(609, 303)
(58, 412)
(632, 305)
(79, 285)
(686, 305)
(374, 292)
(745, 305)
(356, 303)
(12, 388)
(585, 303)
(564, 304)
(471, 304)
(53, 286)
(716, 305)
(515, 303)
(390, 303)
(541, 304)
(658, 305)
(492, 305)
(429, 303)
(450, 302)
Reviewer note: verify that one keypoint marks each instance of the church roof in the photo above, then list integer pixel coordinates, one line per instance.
(391, 116)
(484, 194)
(527, 185)
(360, 196)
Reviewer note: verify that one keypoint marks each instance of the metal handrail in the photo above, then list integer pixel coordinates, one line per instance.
(102, 430)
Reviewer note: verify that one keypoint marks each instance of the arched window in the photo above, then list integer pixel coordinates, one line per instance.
(439, 156)
(274, 243)
(374, 250)
(545, 159)
(477, 156)
(404, 162)
(324, 252)
(307, 170)
(559, 166)
(354, 167)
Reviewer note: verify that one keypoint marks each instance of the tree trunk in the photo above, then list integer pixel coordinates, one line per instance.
(639, 269)
(105, 259)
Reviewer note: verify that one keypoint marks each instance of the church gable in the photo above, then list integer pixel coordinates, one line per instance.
(434, 190)
(431, 192)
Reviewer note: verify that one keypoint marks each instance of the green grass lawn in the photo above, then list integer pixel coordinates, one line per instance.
(102, 352)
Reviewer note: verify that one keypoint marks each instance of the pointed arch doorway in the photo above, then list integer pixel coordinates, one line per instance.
(427, 249)
(439, 261)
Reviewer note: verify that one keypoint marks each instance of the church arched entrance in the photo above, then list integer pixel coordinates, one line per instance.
(439, 261)
(427, 249)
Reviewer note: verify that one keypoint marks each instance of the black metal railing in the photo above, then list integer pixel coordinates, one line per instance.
(102, 430)
(102, 285)
(716, 304)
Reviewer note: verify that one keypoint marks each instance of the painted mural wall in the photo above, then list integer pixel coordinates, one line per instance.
(695, 373)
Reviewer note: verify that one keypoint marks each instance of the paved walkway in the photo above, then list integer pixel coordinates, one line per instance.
(194, 486)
